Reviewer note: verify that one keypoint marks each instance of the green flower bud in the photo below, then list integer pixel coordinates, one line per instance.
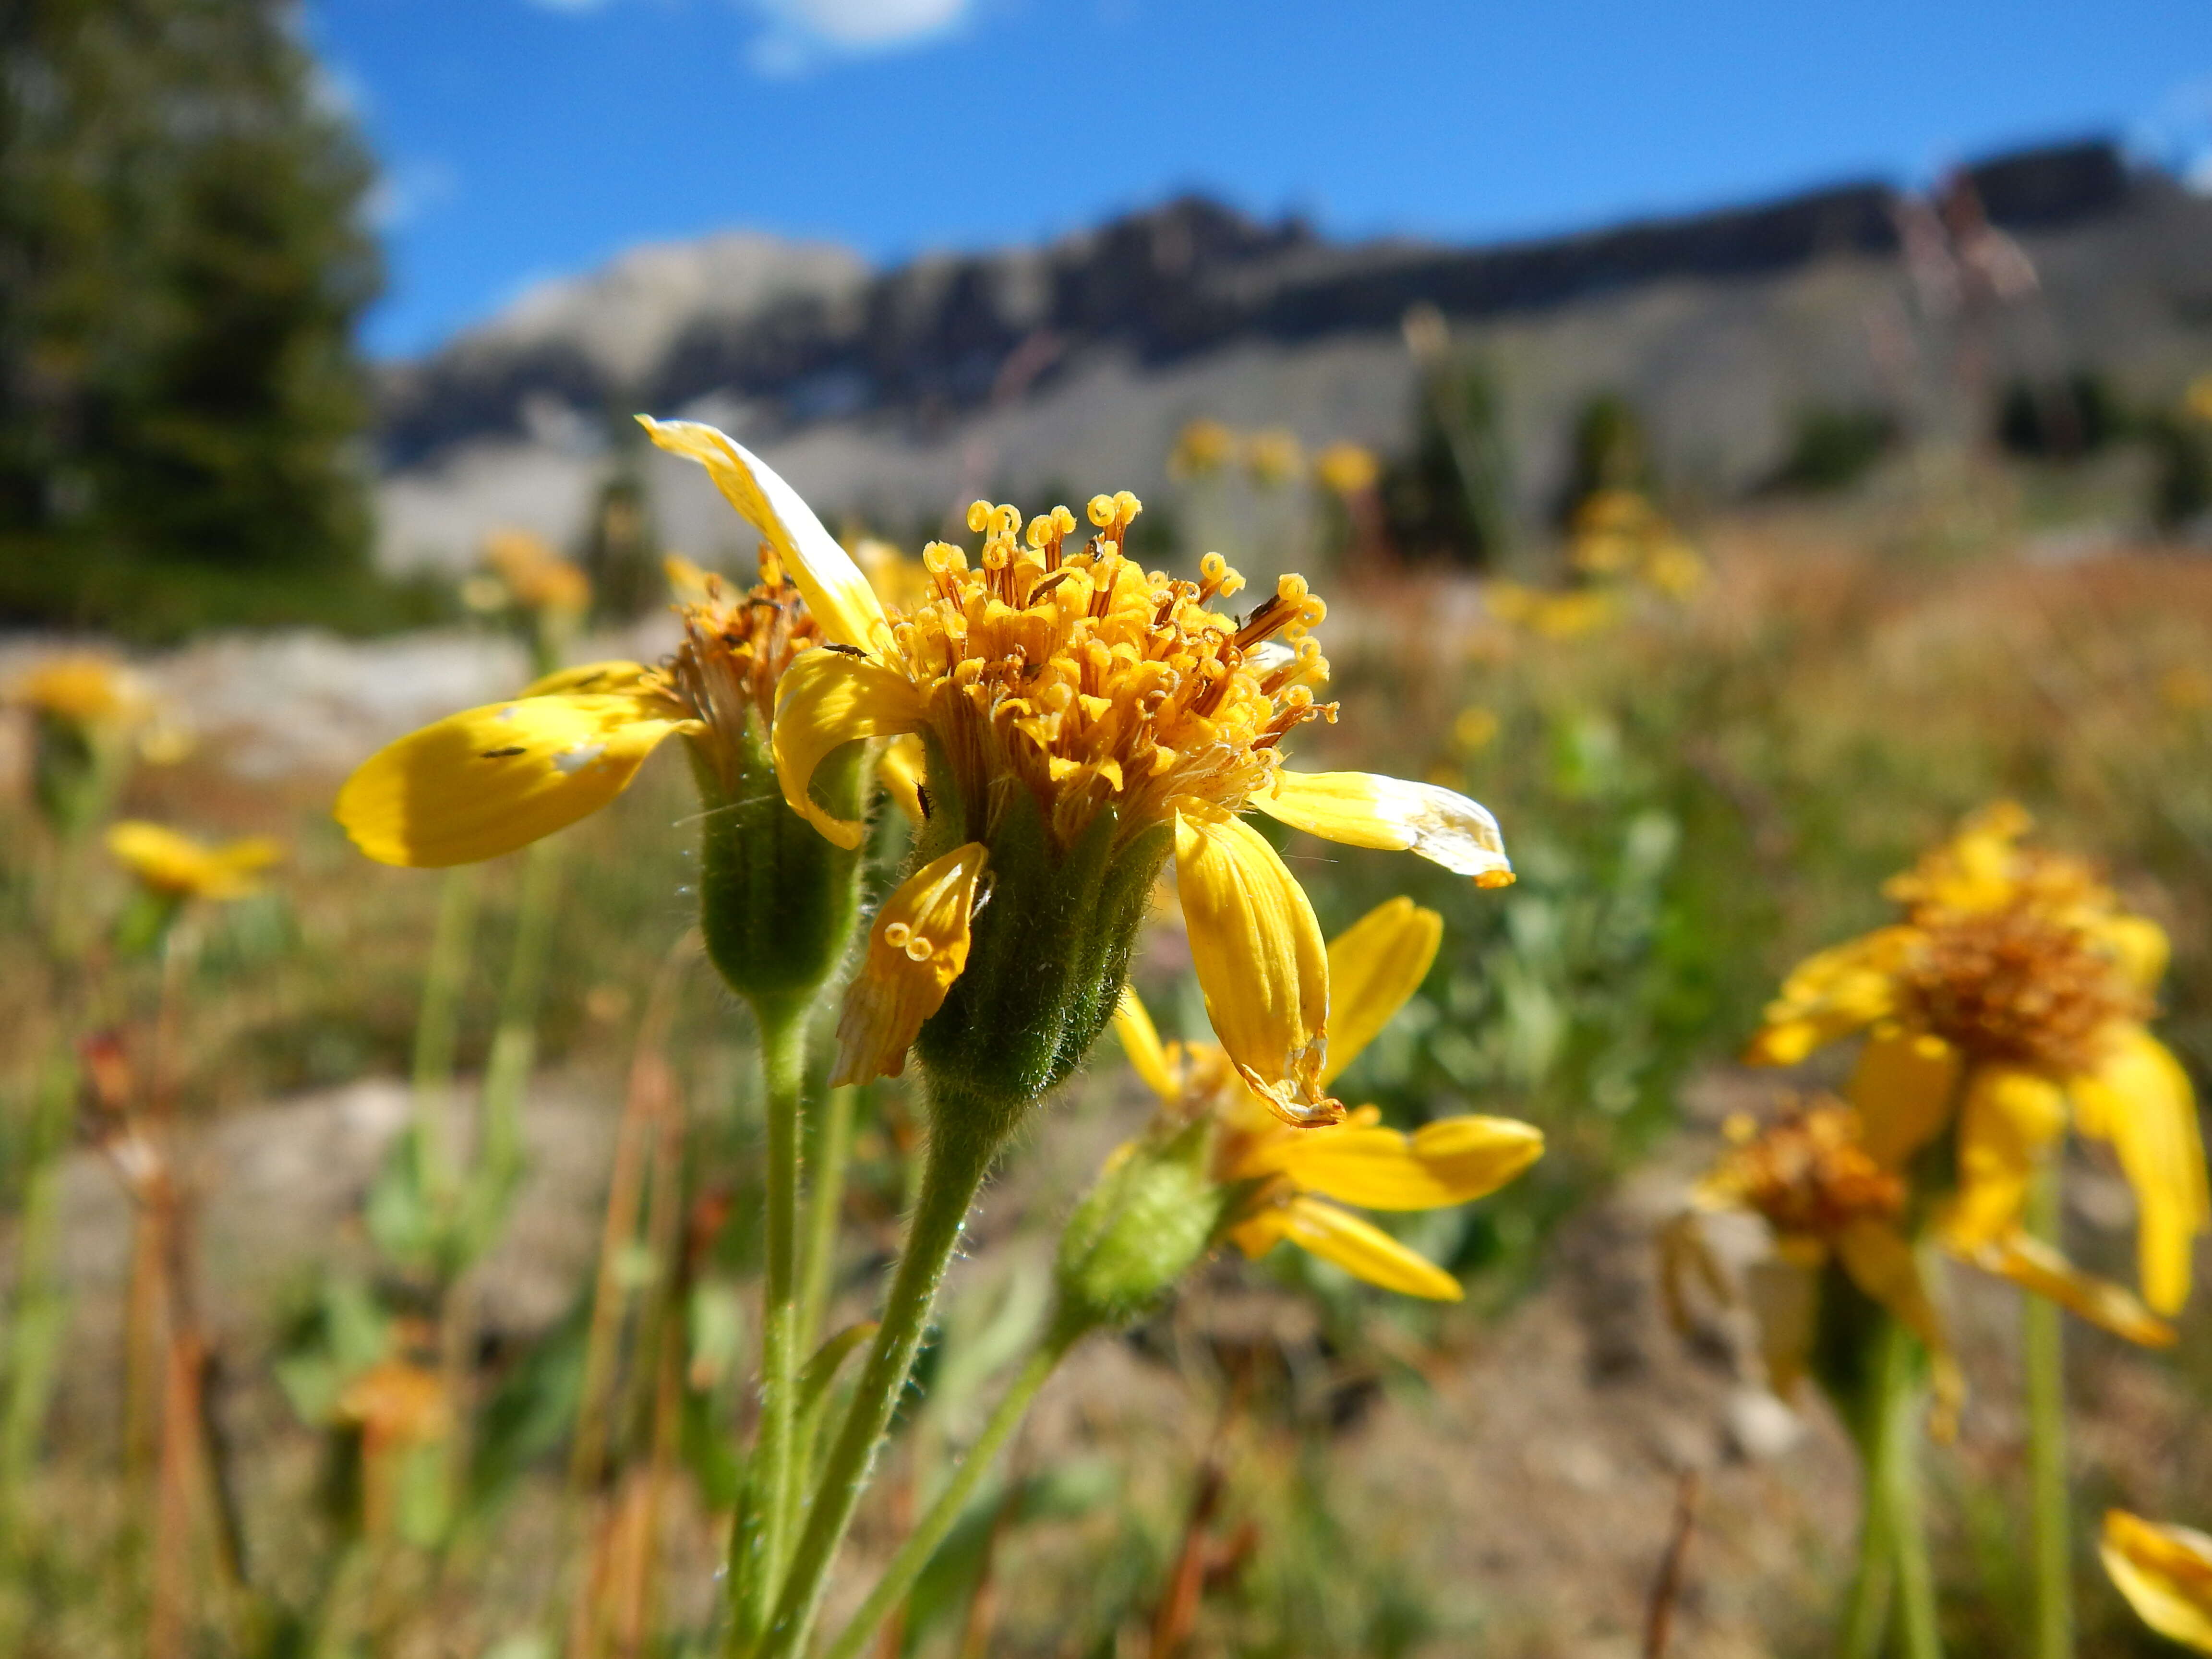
(1151, 1218)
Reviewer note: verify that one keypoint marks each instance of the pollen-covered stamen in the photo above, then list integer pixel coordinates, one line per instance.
(2019, 985)
(735, 649)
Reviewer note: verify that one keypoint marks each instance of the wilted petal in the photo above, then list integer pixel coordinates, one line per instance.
(487, 781)
(1260, 958)
(2139, 1099)
(2165, 1572)
(2006, 1126)
(902, 771)
(2033, 1265)
(916, 950)
(1365, 809)
(1903, 1088)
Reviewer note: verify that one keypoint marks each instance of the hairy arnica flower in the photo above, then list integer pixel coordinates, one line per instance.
(775, 900)
(2014, 989)
(1834, 1188)
(1082, 719)
(2166, 1574)
(1281, 1178)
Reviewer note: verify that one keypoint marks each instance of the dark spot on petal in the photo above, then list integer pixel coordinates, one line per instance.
(501, 754)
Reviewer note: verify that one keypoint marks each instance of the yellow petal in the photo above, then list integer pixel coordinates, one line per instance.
(902, 771)
(2033, 1265)
(916, 950)
(835, 591)
(1902, 1088)
(1360, 1248)
(1448, 1161)
(1140, 1042)
(1881, 1262)
(488, 781)
(1365, 809)
(625, 679)
(2139, 1099)
(1830, 995)
(2165, 1572)
(2138, 944)
(826, 699)
(2006, 1126)
(1260, 958)
(1374, 966)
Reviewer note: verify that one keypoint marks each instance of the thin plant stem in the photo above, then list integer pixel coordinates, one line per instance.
(953, 1170)
(437, 1020)
(833, 1151)
(760, 1543)
(922, 1543)
(39, 1309)
(1874, 1580)
(2044, 1360)
(1905, 1404)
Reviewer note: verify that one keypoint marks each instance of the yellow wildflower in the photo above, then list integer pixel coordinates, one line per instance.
(85, 689)
(1274, 457)
(1068, 690)
(536, 577)
(1348, 469)
(1375, 966)
(175, 866)
(1202, 448)
(488, 781)
(1831, 1190)
(2015, 988)
(2166, 1574)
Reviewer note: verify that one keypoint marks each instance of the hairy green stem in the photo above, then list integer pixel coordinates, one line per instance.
(915, 1553)
(1904, 1403)
(833, 1151)
(1874, 1580)
(761, 1540)
(2043, 1359)
(960, 1155)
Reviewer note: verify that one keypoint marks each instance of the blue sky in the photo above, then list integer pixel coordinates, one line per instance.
(525, 139)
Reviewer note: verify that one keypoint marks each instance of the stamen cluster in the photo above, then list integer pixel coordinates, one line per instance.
(2018, 985)
(1091, 682)
(1807, 1174)
(734, 650)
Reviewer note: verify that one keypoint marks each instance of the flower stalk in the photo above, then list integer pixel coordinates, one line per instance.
(2043, 1360)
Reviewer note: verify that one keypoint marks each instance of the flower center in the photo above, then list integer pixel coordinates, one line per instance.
(1809, 1175)
(1091, 681)
(2018, 985)
(734, 650)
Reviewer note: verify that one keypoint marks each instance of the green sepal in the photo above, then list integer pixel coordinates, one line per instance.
(1049, 953)
(777, 900)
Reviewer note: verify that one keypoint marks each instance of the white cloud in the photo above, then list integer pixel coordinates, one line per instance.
(407, 190)
(800, 34)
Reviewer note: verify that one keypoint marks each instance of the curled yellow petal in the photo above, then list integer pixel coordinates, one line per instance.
(1448, 1161)
(1881, 1262)
(487, 781)
(826, 699)
(2033, 1265)
(916, 950)
(902, 771)
(2139, 1099)
(1374, 966)
(1830, 995)
(2006, 1126)
(1902, 1087)
(2166, 1574)
(1360, 1248)
(835, 589)
(1365, 809)
(1260, 958)
(1140, 1042)
(177, 864)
